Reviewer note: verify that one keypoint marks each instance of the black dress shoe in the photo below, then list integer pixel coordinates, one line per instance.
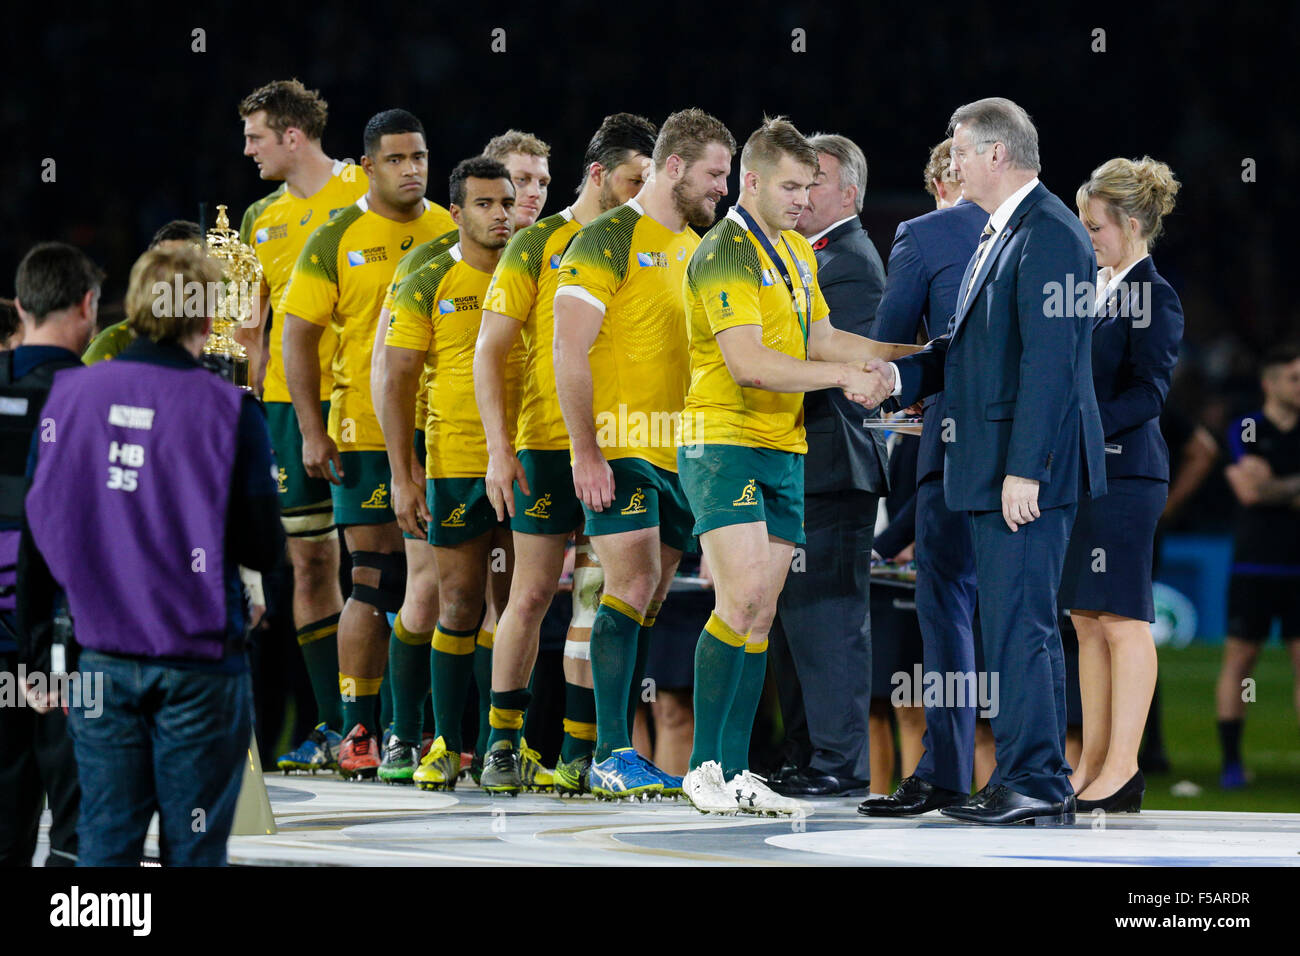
(1127, 799)
(784, 772)
(810, 782)
(983, 793)
(913, 796)
(1005, 806)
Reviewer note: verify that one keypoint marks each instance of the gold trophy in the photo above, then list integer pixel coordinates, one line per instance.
(243, 278)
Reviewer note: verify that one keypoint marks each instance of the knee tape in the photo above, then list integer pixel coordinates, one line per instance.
(311, 525)
(392, 580)
(578, 650)
(587, 584)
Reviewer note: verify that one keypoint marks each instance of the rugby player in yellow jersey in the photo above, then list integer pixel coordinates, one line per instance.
(434, 323)
(283, 126)
(408, 651)
(535, 486)
(527, 159)
(759, 338)
(339, 281)
(621, 371)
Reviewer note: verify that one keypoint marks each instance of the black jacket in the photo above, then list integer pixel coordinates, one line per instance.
(842, 455)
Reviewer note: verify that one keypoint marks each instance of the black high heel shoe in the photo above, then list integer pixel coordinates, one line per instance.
(1127, 799)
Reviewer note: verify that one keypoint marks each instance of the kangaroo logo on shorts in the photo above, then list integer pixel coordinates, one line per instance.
(747, 496)
(377, 497)
(282, 479)
(542, 509)
(637, 505)
(457, 517)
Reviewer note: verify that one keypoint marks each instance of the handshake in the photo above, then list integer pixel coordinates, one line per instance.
(869, 384)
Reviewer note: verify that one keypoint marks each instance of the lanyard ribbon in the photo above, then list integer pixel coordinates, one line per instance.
(779, 263)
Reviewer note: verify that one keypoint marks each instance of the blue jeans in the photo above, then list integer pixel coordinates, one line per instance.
(170, 740)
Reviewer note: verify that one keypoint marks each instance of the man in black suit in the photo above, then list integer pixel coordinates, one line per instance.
(823, 624)
(1016, 372)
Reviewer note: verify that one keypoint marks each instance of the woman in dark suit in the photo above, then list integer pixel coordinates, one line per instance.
(1106, 583)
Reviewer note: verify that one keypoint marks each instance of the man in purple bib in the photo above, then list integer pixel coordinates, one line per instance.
(165, 480)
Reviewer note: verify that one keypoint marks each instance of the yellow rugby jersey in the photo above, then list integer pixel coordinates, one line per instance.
(438, 310)
(417, 257)
(731, 281)
(523, 288)
(631, 268)
(277, 227)
(340, 281)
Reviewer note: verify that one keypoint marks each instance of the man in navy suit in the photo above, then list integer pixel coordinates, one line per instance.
(930, 254)
(1025, 442)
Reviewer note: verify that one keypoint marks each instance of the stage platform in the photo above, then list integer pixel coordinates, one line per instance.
(325, 821)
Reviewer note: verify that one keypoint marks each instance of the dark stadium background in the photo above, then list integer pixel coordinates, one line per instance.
(142, 129)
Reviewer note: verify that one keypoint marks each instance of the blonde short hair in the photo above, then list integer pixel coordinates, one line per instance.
(1143, 189)
(161, 297)
(515, 141)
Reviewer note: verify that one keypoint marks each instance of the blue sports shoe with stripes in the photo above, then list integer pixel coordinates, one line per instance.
(623, 775)
(318, 752)
(672, 786)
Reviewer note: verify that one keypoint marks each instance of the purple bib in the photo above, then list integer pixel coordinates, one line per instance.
(129, 501)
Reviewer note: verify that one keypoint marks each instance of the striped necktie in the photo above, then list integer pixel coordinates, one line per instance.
(985, 236)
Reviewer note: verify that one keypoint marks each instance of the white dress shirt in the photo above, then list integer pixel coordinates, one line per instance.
(1001, 216)
(1104, 291)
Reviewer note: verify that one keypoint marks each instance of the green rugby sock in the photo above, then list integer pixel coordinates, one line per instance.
(506, 715)
(739, 725)
(384, 712)
(579, 722)
(451, 663)
(408, 662)
(719, 661)
(360, 699)
(613, 657)
(319, 642)
(638, 671)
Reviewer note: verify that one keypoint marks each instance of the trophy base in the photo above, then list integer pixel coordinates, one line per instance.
(234, 370)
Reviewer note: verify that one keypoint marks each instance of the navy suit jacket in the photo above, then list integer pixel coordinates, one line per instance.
(1134, 349)
(842, 455)
(1016, 366)
(930, 254)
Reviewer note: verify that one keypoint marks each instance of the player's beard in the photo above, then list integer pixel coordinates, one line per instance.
(694, 209)
(485, 237)
(607, 198)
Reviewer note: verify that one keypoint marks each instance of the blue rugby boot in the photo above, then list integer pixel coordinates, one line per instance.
(318, 752)
(623, 775)
(672, 786)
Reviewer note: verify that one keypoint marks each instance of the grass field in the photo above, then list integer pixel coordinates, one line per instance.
(1270, 745)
